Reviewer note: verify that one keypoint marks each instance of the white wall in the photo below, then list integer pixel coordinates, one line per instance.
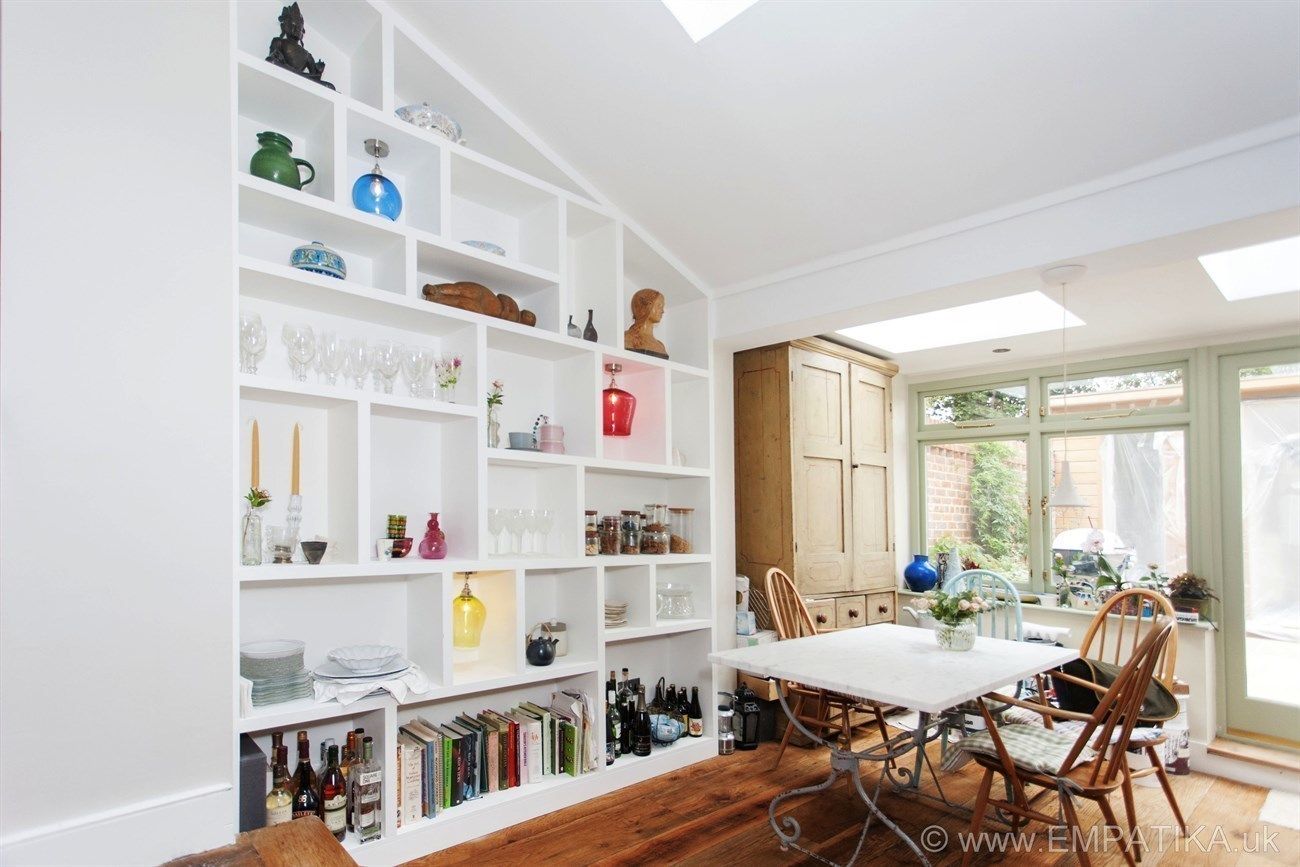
(117, 324)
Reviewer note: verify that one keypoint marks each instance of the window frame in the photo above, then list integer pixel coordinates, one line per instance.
(1038, 426)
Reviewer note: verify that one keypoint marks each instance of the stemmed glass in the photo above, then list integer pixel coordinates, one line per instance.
(530, 523)
(516, 521)
(300, 341)
(252, 341)
(416, 361)
(329, 357)
(385, 359)
(545, 519)
(356, 361)
(496, 523)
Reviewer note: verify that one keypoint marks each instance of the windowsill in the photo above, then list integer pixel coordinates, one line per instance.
(1031, 610)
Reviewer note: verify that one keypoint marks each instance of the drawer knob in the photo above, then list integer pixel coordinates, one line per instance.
(883, 609)
(821, 618)
(853, 612)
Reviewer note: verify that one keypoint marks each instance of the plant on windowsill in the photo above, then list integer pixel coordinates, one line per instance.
(1190, 592)
(955, 615)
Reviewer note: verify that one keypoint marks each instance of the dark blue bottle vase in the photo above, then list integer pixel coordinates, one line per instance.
(920, 575)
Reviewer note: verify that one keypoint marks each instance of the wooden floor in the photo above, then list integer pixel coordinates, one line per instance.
(715, 813)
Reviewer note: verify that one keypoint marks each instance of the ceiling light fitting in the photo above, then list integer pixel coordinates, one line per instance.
(1065, 495)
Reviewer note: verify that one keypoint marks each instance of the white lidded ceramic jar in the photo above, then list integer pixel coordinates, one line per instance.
(959, 637)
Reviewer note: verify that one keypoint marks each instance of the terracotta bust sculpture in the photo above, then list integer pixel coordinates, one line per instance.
(647, 311)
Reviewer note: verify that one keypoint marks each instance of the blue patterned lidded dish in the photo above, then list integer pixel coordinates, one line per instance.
(318, 259)
(427, 117)
(486, 247)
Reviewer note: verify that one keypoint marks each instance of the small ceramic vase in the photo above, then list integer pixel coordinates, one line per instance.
(274, 161)
(920, 575)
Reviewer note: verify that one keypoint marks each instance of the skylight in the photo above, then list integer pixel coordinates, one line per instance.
(1027, 313)
(1249, 272)
(699, 18)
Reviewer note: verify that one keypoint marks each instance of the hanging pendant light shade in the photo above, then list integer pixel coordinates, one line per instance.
(1065, 495)
(617, 406)
(374, 193)
(468, 615)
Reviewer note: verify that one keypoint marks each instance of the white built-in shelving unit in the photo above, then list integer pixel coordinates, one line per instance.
(367, 454)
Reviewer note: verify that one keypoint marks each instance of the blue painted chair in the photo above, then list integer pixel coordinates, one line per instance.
(1005, 621)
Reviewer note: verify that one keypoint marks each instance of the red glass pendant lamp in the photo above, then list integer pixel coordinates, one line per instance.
(617, 406)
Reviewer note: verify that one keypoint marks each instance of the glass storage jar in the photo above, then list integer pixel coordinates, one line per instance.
(654, 532)
(609, 534)
(591, 532)
(630, 532)
(674, 601)
(681, 526)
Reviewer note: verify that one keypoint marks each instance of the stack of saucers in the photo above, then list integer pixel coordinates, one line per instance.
(615, 614)
(276, 670)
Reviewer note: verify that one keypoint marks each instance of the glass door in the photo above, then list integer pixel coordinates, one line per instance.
(1260, 424)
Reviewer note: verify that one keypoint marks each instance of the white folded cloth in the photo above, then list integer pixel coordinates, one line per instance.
(413, 680)
(1039, 632)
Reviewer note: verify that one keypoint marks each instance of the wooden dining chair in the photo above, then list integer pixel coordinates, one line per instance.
(828, 711)
(1116, 631)
(1089, 765)
(1005, 621)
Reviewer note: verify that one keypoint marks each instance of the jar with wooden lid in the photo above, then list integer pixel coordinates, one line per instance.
(654, 532)
(630, 532)
(609, 534)
(681, 527)
(591, 532)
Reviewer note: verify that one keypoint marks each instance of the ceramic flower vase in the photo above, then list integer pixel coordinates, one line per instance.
(434, 544)
(959, 637)
(919, 575)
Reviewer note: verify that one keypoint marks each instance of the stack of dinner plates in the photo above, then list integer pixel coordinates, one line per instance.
(615, 614)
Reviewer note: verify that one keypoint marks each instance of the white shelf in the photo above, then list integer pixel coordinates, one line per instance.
(298, 713)
(311, 394)
(661, 627)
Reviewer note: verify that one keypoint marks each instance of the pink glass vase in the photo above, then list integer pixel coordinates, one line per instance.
(434, 544)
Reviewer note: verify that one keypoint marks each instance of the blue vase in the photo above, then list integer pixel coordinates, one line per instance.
(920, 575)
(376, 194)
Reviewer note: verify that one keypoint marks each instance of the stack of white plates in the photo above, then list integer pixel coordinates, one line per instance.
(362, 664)
(615, 614)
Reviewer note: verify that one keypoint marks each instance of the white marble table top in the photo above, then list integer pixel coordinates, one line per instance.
(898, 665)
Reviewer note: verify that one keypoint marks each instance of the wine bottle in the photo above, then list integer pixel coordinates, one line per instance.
(334, 796)
(670, 700)
(611, 732)
(641, 738)
(695, 726)
(350, 758)
(684, 710)
(368, 782)
(277, 741)
(306, 802)
(626, 715)
(279, 801)
(325, 745)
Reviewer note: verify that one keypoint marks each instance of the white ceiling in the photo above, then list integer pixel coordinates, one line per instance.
(805, 129)
(1132, 300)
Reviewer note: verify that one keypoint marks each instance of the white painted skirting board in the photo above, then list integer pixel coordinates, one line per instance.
(146, 832)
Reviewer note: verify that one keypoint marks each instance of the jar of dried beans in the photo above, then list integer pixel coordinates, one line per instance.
(609, 534)
(681, 526)
(630, 532)
(654, 533)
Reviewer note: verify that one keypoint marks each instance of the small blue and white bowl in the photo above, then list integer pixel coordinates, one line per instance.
(486, 247)
(318, 259)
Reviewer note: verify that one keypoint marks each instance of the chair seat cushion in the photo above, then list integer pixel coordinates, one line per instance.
(1030, 747)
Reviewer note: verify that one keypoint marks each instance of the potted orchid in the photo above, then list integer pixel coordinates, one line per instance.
(954, 615)
(1191, 592)
(495, 398)
(447, 373)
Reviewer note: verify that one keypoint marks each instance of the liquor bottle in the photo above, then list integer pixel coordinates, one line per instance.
(611, 734)
(279, 801)
(368, 780)
(670, 700)
(695, 716)
(277, 741)
(334, 796)
(626, 715)
(280, 764)
(306, 801)
(611, 685)
(325, 745)
(350, 758)
(641, 739)
(683, 711)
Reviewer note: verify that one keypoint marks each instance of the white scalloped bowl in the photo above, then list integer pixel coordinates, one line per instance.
(364, 657)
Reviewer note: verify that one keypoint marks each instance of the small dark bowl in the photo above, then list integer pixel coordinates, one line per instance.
(313, 551)
(401, 547)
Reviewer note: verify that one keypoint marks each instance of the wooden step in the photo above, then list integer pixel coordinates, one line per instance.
(293, 844)
(1280, 758)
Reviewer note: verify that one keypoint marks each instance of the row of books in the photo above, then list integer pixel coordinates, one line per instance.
(444, 765)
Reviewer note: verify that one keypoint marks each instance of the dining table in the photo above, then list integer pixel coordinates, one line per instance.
(895, 665)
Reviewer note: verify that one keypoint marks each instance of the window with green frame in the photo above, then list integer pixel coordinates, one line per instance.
(988, 495)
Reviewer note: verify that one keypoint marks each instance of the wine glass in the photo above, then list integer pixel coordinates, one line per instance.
(545, 520)
(416, 361)
(516, 521)
(356, 361)
(496, 523)
(252, 341)
(329, 357)
(385, 359)
(530, 524)
(300, 342)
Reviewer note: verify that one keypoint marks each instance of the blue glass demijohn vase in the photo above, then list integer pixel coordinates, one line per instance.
(920, 575)
(374, 193)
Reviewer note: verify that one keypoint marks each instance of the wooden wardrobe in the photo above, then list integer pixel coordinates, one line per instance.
(814, 449)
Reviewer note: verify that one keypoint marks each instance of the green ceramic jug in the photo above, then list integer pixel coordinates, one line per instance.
(274, 162)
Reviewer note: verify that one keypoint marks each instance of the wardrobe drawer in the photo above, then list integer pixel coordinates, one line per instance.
(880, 607)
(822, 612)
(850, 611)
